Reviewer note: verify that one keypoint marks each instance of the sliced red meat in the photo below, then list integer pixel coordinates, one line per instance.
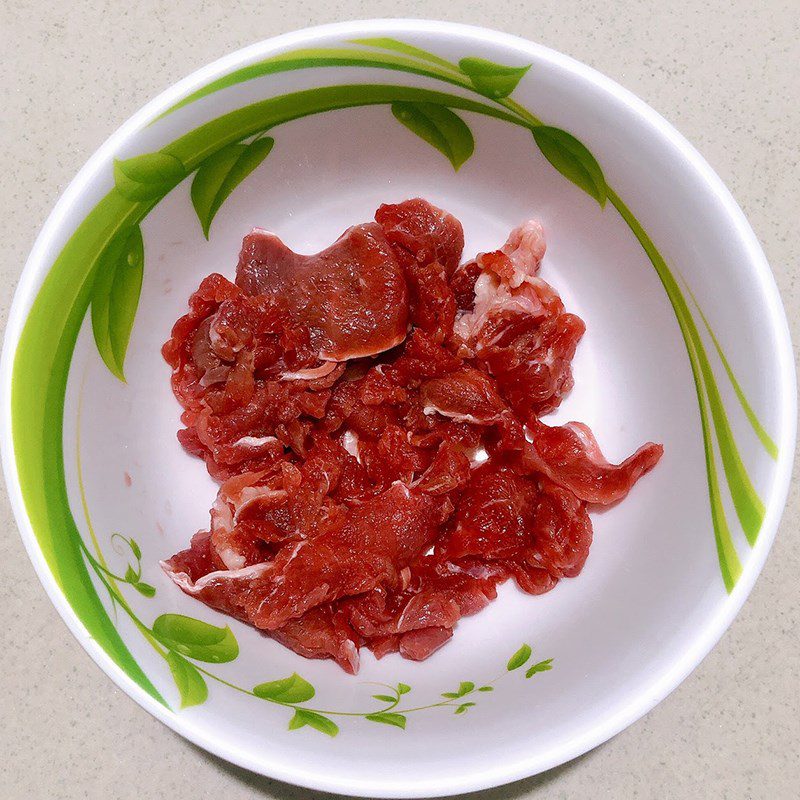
(466, 395)
(238, 546)
(258, 505)
(211, 293)
(570, 456)
(530, 524)
(448, 471)
(366, 406)
(422, 644)
(531, 361)
(495, 515)
(231, 591)
(352, 296)
(430, 430)
(507, 283)
(525, 250)
(414, 645)
(420, 618)
(366, 547)
(470, 396)
(392, 458)
(421, 358)
(530, 578)
(197, 560)
(562, 534)
(213, 348)
(516, 325)
(421, 233)
(432, 302)
(322, 632)
(463, 283)
(383, 645)
(378, 487)
(252, 434)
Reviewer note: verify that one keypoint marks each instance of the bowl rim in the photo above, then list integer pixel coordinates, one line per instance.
(663, 682)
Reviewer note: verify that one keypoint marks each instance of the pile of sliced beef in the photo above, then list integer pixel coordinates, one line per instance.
(372, 413)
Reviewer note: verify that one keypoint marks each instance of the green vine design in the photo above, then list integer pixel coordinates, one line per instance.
(293, 692)
(101, 266)
(133, 574)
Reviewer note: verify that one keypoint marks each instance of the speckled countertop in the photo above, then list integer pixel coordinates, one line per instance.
(725, 72)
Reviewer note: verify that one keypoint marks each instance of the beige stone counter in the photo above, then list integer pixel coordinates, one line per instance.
(726, 73)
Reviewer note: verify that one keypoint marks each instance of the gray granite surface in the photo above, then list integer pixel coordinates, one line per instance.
(725, 72)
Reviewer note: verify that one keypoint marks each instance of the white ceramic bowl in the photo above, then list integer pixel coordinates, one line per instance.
(93, 456)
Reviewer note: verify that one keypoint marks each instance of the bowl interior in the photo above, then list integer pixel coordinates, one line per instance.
(651, 598)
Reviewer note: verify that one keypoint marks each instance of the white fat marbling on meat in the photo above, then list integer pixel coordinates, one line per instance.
(525, 249)
(350, 443)
(312, 373)
(182, 580)
(215, 375)
(350, 654)
(478, 457)
(406, 491)
(431, 409)
(254, 441)
(253, 494)
(230, 558)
